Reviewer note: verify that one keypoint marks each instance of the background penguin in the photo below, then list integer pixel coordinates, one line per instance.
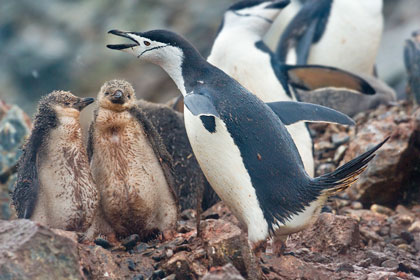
(239, 51)
(130, 165)
(259, 175)
(55, 186)
(191, 186)
(280, 23)
(339, 33)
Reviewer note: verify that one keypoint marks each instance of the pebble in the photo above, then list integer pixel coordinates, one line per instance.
(130, 241)
(407, 236)
(393, 264)
(340, 138)
(339, 153)
(158, 274)
(415, 227)
(381, 209)
(345, 267)
(131, 265)
(356, 205)
(138, 277)
(405, 219)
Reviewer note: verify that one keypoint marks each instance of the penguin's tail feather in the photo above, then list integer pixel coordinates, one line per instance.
(344, 176)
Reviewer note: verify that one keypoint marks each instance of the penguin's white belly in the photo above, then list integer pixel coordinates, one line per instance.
(67, 196)
(134, 192)
(258, 77)
(352, 42)
(301, 220)
(222, 164)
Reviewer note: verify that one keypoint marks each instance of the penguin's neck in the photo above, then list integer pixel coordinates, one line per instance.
(185, 67)
(232, 42)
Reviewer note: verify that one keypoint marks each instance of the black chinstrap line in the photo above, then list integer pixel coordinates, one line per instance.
(155, 48)
(250, 15)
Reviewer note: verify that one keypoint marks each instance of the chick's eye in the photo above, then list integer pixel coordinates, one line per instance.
(106, 93)
(67, 103)
(147, 43)
(129, 96)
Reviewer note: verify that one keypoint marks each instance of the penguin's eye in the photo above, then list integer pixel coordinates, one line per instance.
(129, 96)
(106, 93)
(146, 43)
(67, 103)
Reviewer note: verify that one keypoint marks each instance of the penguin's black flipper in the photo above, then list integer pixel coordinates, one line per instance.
(312, 77)
(200, 104)
(304, 45)
(306, 28)
(25, 194)
(291, 112)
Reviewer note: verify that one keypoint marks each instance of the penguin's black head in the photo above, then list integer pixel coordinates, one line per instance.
(253, 15)
(117, 95)
(155, 46)
(64, 103)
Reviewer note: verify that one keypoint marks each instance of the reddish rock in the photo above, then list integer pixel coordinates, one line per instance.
(392, 174)
(31, 251)
(289, 267)
(330, 234)
(181, 265)
(226, 243)
(227, 272)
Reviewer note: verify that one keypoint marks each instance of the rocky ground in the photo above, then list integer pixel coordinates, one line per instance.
(372, 231)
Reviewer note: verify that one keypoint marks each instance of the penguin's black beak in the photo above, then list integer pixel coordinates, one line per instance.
(82, 103)
(117, 97)
(278, 4)
(122, 46)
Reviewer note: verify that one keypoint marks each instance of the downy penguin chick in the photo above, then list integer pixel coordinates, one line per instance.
(55, 186)
(130, 164)
(241, 143)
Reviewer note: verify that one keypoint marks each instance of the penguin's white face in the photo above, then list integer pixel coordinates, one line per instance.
(146, 49)
(164, 54)
(256, 19)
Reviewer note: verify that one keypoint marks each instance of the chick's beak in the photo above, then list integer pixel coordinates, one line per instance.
(117, 97)
(83, 102)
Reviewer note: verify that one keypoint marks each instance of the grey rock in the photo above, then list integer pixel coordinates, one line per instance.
(31, 251)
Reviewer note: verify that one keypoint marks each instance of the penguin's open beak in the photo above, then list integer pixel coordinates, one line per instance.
(278, 4)
(122, 46)
(83, 102)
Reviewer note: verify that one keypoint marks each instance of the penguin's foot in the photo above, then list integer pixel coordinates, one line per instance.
(276, 246)
(168, 235)
(130, 241)
(259, 247)
(103, 243)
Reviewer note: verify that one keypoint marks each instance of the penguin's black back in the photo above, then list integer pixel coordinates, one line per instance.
(25, 193)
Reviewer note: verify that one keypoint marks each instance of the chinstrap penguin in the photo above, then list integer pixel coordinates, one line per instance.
(240, 52)
(340, 33)
(55, 186)
(241, 143)
(131, 166)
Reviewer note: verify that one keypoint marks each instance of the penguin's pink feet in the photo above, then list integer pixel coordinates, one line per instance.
(259, 247)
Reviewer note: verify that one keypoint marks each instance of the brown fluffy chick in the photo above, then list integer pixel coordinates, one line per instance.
(55, 186)
(130, 165)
